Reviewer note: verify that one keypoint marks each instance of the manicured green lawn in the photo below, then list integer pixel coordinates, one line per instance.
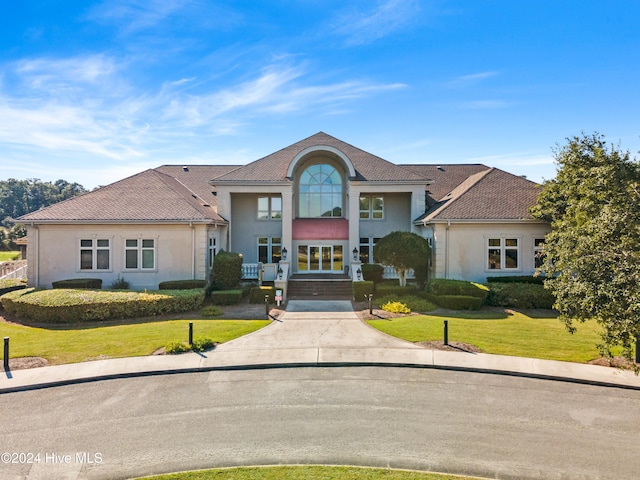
(73, 344)
(8, 256)
(522, 334)
(305, 473)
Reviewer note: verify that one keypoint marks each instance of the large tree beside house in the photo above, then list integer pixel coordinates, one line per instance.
(592, 255)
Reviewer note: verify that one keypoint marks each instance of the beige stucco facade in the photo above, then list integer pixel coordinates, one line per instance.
(460, 250)
(181, 251)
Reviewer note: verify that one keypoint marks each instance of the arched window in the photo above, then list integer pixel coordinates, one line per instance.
(320, 192)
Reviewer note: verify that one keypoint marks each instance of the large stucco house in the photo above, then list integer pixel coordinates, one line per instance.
(313, 209)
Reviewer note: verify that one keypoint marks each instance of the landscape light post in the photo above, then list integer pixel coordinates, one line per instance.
(370, 296)
(266, 306)
(446, 332)
(190, 333)
(6, 354)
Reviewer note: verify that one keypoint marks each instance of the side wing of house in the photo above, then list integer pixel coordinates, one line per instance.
(483, 228)
(145, 229)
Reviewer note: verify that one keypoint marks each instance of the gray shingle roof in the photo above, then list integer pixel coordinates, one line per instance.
(196, 178)
(444, 177)
(273, 167)
(146, 197)
(491, 194)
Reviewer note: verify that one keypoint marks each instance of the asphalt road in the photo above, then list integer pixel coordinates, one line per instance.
(478, 424)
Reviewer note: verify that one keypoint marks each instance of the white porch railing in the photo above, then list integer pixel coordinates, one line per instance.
(15, 269)
(250, 271)
(391, 274)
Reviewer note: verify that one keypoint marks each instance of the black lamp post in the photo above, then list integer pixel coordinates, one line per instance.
(284, 253)
(355, 253)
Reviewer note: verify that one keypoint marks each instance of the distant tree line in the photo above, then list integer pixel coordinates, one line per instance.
(19, 197)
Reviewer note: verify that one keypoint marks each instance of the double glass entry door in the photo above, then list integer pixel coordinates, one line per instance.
(320, 259)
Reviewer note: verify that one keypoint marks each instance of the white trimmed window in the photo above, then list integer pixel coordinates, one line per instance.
(269, 249)
(367, 245)
(538, 252)
(371, 207)
(140, 254)
(213, 249)
(95, 254)
(270, 208)
(503, 254)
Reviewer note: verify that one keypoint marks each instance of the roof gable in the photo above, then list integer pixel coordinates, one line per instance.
(273, 167)
(492, 194)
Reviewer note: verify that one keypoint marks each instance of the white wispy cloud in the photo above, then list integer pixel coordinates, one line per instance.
(87, 106)
(471, 79)
(364, 27)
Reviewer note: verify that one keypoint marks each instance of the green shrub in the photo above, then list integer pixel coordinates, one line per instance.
(458, 302)
(226, 297)
(372, 272)
(182, 284)
(517, 279)
(226, 272)
(362, 290)
(211, 311)
(395, 307)
(442, 286)
(384, 290)
(120, 284)
(10, 284)
(414, 302)
(202, 344)
(256, 295)
(78, 305)
(78, 283)
(177, 347)
(519, 295)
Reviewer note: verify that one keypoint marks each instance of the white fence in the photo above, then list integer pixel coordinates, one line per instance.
(15, 269)
(250, 271)
(391, 274)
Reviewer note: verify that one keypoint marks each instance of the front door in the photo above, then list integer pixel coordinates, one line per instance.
(320, 259)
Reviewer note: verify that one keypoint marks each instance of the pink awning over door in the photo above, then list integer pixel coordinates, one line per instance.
(320, 229)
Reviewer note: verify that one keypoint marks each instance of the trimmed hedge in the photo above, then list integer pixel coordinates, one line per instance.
(78, 305)
(226, 272)
(520, 295)
(362, 290)
(226, 297)
(182, 284)
(397, 290)
(517, 279)
(93, 283)
(11, 284)
(256, 295)
(414, 302)
(458, 302)
(372, 272)
(442, 286)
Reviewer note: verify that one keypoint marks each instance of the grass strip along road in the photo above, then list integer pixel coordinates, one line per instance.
(534, 334)
(73, 344)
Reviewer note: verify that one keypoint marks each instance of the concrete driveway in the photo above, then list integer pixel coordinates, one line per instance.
(316, 324)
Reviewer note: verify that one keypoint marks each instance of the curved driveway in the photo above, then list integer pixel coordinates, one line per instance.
(491, 426)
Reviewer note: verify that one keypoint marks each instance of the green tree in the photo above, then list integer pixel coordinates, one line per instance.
(19, 197)
(403, 251)
(592, 255)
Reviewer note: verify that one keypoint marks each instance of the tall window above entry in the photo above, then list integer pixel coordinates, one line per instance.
(320, 192)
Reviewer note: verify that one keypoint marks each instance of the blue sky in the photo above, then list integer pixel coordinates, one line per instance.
(92, 92)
